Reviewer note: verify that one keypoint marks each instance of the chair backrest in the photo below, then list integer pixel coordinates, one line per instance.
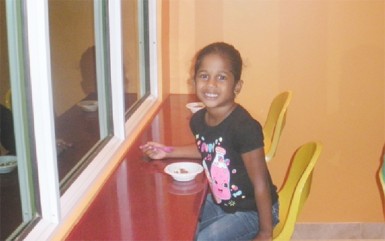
(275, 122)
(8, 99)
(381, 173)
(296, 188)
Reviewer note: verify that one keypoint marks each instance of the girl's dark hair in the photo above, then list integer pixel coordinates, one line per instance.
(225, 50)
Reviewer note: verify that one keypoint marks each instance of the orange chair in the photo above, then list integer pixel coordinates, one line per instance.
(296, 189)
(275, 123)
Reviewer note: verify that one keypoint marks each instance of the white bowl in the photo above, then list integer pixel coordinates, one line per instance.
(183, 171)
(195, 106)
(88, 105)
(7, 163)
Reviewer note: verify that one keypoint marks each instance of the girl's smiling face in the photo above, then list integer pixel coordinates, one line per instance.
(214, 81)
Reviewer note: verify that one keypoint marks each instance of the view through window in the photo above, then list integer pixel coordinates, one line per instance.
(10, 201)
(81, 94)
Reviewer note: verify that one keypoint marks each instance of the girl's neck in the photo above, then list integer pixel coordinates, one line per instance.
(214, 116)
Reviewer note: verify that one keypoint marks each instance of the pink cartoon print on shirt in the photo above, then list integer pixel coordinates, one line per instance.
(220, 176)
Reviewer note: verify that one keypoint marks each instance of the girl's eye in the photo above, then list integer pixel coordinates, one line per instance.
(221, 77)
(203, 76)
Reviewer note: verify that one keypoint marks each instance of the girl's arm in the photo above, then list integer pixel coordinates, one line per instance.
(156, 150)
(258, 173)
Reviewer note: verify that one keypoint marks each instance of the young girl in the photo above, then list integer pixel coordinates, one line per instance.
(243, 203)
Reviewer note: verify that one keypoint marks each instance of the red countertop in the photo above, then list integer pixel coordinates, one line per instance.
(139, 201)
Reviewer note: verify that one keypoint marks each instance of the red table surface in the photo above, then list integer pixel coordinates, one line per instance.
(139, 201)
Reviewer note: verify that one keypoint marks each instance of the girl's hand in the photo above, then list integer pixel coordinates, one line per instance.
(155, 150)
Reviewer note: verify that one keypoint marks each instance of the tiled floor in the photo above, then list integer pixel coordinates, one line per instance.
(339, 231)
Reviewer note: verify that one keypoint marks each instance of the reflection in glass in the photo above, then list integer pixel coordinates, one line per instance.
(135, 52)
(73, 65)
(10, 201)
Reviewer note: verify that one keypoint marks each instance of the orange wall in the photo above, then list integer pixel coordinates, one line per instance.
(331, 54)
(164, 56)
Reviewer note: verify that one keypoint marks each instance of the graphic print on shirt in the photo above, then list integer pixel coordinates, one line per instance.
(220, 175)
(217, 170)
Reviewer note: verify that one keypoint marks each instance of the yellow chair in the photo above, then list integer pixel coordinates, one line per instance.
(381, 173)
(275, 122)
(8, 99)
(296, 188)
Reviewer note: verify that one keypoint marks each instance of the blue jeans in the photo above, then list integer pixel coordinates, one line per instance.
(215, 224)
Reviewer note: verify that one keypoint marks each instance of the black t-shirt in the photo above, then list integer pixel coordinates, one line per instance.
(221, 148)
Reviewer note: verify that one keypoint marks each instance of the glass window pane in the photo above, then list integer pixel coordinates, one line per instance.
(79, 70)
(135, 52)
(17, 193)
(75, 90)
(10, 201)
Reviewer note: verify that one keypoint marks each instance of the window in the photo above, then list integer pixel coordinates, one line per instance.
(135, 52)
(19, 183)
(81, 87)
(15, 209)
(83, 55)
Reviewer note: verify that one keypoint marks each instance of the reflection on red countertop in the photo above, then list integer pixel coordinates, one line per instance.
(139, 201)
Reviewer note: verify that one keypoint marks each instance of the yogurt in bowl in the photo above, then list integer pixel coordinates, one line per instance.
(183, 171)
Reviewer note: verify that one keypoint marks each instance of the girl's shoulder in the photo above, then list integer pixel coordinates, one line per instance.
(243, 116)
(197, 119)
(199, 115)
